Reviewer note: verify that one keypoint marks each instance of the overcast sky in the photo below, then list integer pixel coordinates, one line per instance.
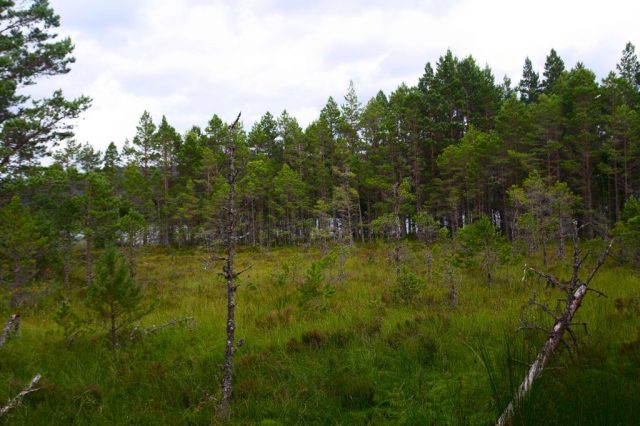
(189, 59)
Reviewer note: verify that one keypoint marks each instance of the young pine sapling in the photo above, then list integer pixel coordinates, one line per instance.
(114, 296)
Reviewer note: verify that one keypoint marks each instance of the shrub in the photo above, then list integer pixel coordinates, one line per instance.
(312, 291)
(408, 286)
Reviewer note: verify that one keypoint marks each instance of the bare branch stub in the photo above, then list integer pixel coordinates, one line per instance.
(601, 260)
(545, 309)
(550, 278)
(531, 326)
(235, 122)
(597, 292)
(237, 274)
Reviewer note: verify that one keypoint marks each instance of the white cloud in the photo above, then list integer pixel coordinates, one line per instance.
(189, 59)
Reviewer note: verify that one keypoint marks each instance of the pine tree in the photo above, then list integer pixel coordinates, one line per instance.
(30, 50)
(114, 296)
(351, 110)
(21, 244)
(553, 69)
(629, 66)
(166, 143)
(582, 107)
(144, 144)
(100, 212)
(88, 158)
(529, 86)
(187, 213)
(111, 159)
(481, 239)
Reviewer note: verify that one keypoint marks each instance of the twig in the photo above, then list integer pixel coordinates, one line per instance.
(137, 331)
(598, 292)
(584, 324)
(601, 261)
(13, 403)
(531, 326)
(544, 308)
(550, 278)
(574, 338)
(237, 274)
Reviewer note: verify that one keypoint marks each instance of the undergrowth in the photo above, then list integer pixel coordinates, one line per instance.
(366, 350)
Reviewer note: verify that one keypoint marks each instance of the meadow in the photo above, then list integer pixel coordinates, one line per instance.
(322, 347)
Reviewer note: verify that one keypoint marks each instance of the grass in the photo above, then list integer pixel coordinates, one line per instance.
(356, 354)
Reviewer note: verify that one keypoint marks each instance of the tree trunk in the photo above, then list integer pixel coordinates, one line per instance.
(429, 259)
(66, 266)
(88, 255)
(397, 230)
(625, 163)
(227, 368)
(588, 200)
(114, 337)
(487, 264)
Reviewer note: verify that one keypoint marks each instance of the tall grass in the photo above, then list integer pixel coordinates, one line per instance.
(357, 355)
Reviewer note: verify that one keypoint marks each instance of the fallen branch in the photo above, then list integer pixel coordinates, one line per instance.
(13, 403)
(139, 332)
(11, 328)
(576, 290)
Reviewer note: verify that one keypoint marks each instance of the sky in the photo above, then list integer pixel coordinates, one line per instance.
(190, 59)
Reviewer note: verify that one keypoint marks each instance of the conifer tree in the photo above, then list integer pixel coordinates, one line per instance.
(114, 296)
(529, 86)
(553, 69)
(30, 49)
(21, 244)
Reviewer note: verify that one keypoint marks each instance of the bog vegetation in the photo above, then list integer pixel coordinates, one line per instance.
(402, 261)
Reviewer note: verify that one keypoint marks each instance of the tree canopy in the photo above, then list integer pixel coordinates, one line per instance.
(29, 50)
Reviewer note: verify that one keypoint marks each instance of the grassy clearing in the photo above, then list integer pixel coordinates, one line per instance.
(353, 354)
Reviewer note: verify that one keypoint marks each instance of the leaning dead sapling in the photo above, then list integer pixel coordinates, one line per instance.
(575, 289)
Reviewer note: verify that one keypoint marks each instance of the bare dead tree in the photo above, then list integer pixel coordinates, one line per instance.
(575, 289)
(10, 329)
(16, 400)
(230, 276)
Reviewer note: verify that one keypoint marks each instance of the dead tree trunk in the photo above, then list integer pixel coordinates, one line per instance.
(230, 276)
(15, 401)
(575, 290)
(11, 328)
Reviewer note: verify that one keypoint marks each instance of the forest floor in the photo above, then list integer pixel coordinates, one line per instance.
(324, 349)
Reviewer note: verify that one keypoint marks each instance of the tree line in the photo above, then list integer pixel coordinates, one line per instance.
(460, 146)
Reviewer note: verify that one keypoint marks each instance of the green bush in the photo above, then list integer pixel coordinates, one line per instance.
(408, 286)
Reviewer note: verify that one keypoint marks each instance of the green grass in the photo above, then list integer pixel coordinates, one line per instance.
(357, 356)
